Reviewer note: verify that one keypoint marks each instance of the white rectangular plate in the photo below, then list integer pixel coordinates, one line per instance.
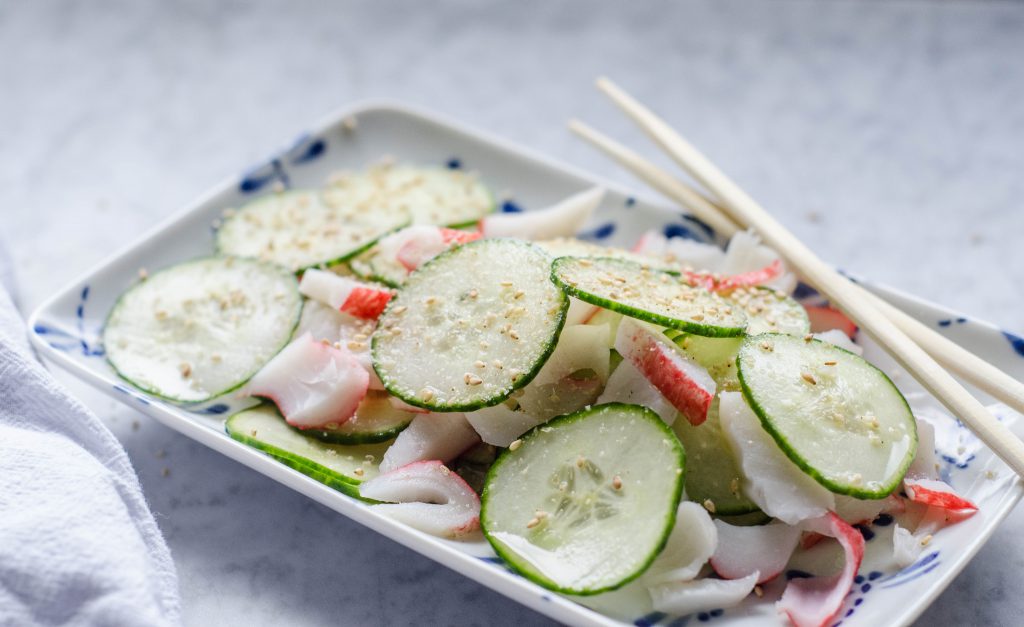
(66, 329)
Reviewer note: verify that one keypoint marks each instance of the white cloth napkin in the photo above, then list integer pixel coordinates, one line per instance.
(78, 544)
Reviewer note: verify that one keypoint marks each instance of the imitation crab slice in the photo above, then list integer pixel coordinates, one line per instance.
(703, 594)
(763, 549)
(344, 294)
(770, 479)
(313, 383)
(627, 385)
(826, 318)
(727, 283)
(423, 243)
(683, 382)
(690, 545)
(439, 436)
(812, 602)
(428, 496)
(560, 220)
(939, 494)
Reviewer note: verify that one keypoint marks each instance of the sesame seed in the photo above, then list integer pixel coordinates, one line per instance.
(143, 274)
(519, 294)
(160, 314)
(473, 293)
(515, 445)
(990, 474)
(215, 358)
(759, 591)
(426, 394)
(512, 334)
(767, 346)
(925, 541)
(357, 346)
(399, 310)
(581, 461)
(830, 363)
(358, 472)
(349, 124)
(186, 370)
(506, 283)
(697, 317)
(472, 379)
(479, 364)
(808, 337)
(808, 377)
(617, 482)
(533, 523)
(709, 505)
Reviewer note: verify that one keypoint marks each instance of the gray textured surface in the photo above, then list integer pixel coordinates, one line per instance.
(886, 134)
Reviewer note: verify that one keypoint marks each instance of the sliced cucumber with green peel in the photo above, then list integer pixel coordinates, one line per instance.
(766, 309)
(585, 502)
(440, 196)
(342, 467)
(648, 294)
(200, 329)
(375, 420)
(376, 265)
(840, 419)
(470, 326)
(713, 477)
(297, 230)
(769, 311)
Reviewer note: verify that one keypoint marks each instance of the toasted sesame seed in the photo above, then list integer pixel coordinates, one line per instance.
(767, 346)
(349, 124)
(160, 314)
(399, 310)
(709, 505)
(358, 472)
(519, 294)
(925, 541)
(473, 293)
(472, 379)
(533, 523)
(143, 274)
(186, 370)
(581, 461)
(808, 337)
(697, 316)
(512, 334)
(356, 346)
(830, 363)
(990, 474)
(506, 283)
(808, 377)
(759, 591)
(515, 445)
(426, 394)
(617, 482)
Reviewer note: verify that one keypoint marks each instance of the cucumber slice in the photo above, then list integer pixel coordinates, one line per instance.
(713, 477)
(338, 466)
(203, 328)
(586, 501)
(438, 196)
(470, 326)
(375, 420)
(376, 265)
(647, 294)
(769, 311)
(840, 419)
(298, 230)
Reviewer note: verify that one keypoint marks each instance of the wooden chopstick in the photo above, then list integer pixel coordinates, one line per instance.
(745, 210)
(949, 354)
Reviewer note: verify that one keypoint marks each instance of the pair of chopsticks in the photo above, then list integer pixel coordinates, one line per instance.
(919, 349)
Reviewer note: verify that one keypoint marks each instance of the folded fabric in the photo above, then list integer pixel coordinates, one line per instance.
(78, 544)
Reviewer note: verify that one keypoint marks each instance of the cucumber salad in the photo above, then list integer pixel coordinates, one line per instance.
(665, 420)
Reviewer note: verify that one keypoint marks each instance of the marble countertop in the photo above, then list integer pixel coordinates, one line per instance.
(888, 135)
